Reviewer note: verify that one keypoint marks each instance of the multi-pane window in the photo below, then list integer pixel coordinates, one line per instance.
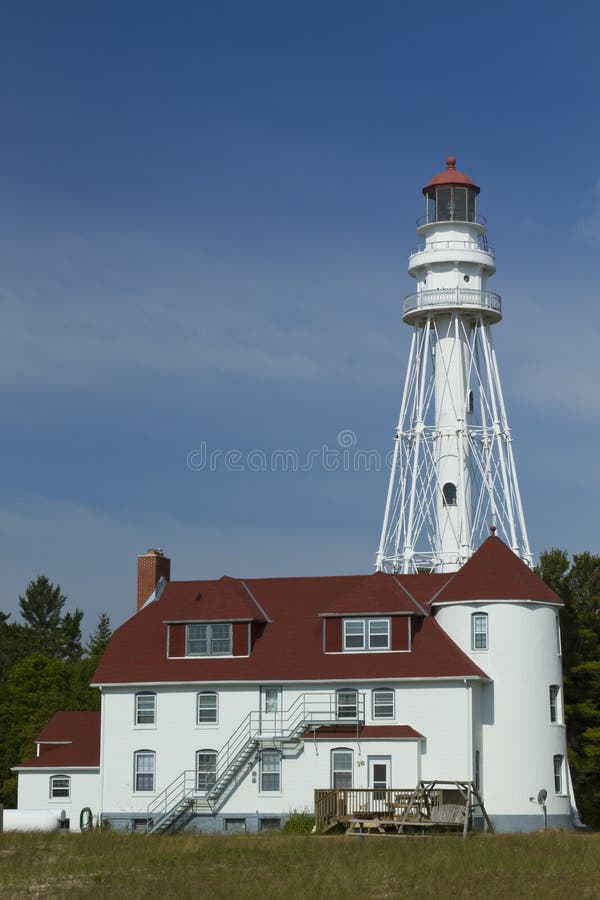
(208, 640)
(479, 631)
(145, 708)
(346, 704)
(270, 770)
(341, 768)
(554, 712)
(383, 703)
(144, 767)
(60, 787)
(206, 769)
(366, 634)
(207, 708)
(558, 764)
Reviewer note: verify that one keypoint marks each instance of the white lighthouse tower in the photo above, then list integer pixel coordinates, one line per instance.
(453, 472)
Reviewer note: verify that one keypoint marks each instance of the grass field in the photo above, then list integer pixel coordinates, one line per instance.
(299, 866)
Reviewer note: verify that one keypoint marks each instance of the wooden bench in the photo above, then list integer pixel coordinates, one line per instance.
(365, 826)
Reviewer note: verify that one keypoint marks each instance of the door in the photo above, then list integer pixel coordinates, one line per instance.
(270, 710)
(379, 781)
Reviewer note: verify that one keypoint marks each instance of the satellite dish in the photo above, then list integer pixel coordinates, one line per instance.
(541, 798)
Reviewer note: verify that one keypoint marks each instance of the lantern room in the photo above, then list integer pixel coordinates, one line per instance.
(450, 196)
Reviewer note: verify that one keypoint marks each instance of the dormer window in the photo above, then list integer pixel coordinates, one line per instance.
(366, 634)
(208, 640)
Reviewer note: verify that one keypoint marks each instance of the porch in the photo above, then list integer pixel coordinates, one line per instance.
(433, 806)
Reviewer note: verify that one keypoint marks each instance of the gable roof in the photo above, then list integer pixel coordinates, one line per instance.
(289, 646)
(225, 599)
(494, 572)
(70, 739)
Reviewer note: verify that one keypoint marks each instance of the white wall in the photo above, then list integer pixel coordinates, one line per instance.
(518, 739)
(441, 711)
(34, 792)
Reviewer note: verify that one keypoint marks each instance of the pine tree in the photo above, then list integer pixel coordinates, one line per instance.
(50, 632)
(100, 637)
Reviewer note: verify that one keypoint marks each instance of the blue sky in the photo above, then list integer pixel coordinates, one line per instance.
(205, 213)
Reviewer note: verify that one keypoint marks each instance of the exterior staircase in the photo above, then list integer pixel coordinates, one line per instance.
(257, 730)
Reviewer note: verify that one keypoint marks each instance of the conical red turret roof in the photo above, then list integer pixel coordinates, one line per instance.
(494, 572)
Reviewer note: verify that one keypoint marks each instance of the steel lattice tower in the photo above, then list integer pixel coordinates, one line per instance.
(453, 472)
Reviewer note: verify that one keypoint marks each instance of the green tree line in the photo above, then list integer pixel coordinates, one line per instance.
(577, 582)
(44, 667)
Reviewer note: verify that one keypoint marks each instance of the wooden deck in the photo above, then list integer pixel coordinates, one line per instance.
(431, 807)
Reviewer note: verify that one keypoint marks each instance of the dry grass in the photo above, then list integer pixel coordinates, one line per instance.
(298, 867)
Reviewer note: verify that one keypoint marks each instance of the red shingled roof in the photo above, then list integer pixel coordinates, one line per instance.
(225, 599)
(494, 572)
(290, 647)
(365, 732)
(70, 739)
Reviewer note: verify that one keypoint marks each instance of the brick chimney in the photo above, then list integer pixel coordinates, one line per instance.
(152, 566)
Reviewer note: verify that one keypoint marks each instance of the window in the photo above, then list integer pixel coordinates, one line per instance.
(558, 644)
(479, 631)
(449, 492)
(477, 770)
(60, 787)
(341, 768)
(207, 708)
(208, 640)
(145, 708)
(558, 761)
(383, 704)
(270, 770)
(554, 702)
(235, 826)
(269, 824)
(206, 769)
(271, 696)
(366, 634)
(346, 704)
(144, 765)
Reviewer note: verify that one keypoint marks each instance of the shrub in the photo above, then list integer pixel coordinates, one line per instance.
(300, 821)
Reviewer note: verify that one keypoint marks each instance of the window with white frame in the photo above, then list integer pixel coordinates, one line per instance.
(145, 708)
(558, 641)
(270, 770)
(207, 708)
(346, 704)
(383, 703)
(60, 787)
(208, 640)
(144, 769)
(554, 697)
(366, 634)
(479, 631)
(206, 769)
(558, 766)
(341, 767)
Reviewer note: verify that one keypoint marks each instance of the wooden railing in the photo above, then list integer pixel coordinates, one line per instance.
(338, 804)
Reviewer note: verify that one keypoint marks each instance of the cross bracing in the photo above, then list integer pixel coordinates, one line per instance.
(452, 408)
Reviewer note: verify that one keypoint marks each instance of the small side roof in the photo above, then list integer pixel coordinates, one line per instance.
(69, 740)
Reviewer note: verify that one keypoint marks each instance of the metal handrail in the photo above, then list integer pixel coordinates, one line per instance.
(474, 220)
(482, 246)
(453, 297)
(308, 709)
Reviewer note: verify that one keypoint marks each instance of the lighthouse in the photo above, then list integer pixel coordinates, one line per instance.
(453, 474)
